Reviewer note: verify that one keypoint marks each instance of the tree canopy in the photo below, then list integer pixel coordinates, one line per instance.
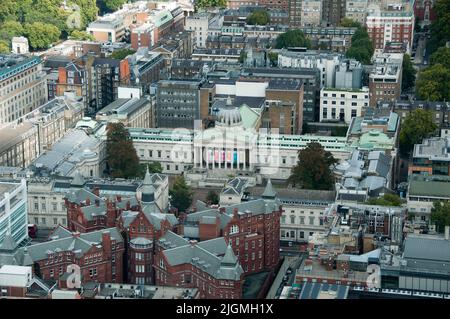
(433, 83)
(41, 35)
(440, 215)
(181, 195)
(349, 23)
(361, 48)
(16, 15)
(417, 125)
(440, 28)
(258, 17)
(313, 168)
(441, 56)
(153, 167)
(121, 54)
(292, 38)
(4, 47)
(211, 3)
(120, 153)
(386, 200)
(212, 198)
(81, 35)
(408, 73)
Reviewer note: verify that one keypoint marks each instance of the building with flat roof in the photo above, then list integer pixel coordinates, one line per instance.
(385, 81)
(342, 105)
(134, 112)
(431, 157)
(388, 21)
(424, 265)
(423, 191)
(177, 103)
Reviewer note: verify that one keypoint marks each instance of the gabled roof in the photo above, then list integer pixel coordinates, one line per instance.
(209, 261)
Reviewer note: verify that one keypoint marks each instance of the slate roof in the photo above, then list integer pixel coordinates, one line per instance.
(420, 247)
(225, 267)
(78, 245)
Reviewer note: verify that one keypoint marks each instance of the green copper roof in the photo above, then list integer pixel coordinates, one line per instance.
(432, 186)
(249, 116)
(374, 140)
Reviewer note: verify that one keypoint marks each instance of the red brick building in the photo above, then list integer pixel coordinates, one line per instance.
(220, 246)
(210, 265)
(99, 254)
(252, 228)
(423, 9)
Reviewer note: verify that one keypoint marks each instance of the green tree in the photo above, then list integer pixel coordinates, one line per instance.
(386, 200)
(313, 168)
(292, 38)
(361, 48)
(89, 10)
(10, 29)
(360, 54)
(440, 215)
(121, 54)
(4, 47)
(440, 28)
(153, 167)
(242, 56)
(41, 35)
(212, 198)
(81, 35)
(258, 17)
(113, 5)
(441, 56)
(433, 83)
(408, 73)
(211, 3)
(181, 195)
(349, 23)
(273, 57)
(120, 153)
(417, 27)
(417, 125)
(8, 9)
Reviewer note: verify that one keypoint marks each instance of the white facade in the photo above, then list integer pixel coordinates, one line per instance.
(13, 210)
(342, 104)
(326, 63)
(302, 219)
(198, 23)
(15, 276)
(311, 14)
(224, 151)
(46, 206)
(23, 88)
(20, 45)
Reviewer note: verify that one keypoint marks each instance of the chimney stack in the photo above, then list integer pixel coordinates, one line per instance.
(447, 232)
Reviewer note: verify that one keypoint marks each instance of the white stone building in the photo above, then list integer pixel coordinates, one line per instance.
(342, 104)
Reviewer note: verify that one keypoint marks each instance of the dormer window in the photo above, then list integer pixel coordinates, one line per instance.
(234, 229)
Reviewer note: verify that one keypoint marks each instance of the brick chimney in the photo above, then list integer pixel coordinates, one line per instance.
(96, 191)
(106, 242)
(76, 234)
(222, 210)
(119, 198)
(88, 202)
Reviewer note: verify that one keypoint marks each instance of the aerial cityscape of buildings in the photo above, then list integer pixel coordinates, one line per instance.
(184, 152)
